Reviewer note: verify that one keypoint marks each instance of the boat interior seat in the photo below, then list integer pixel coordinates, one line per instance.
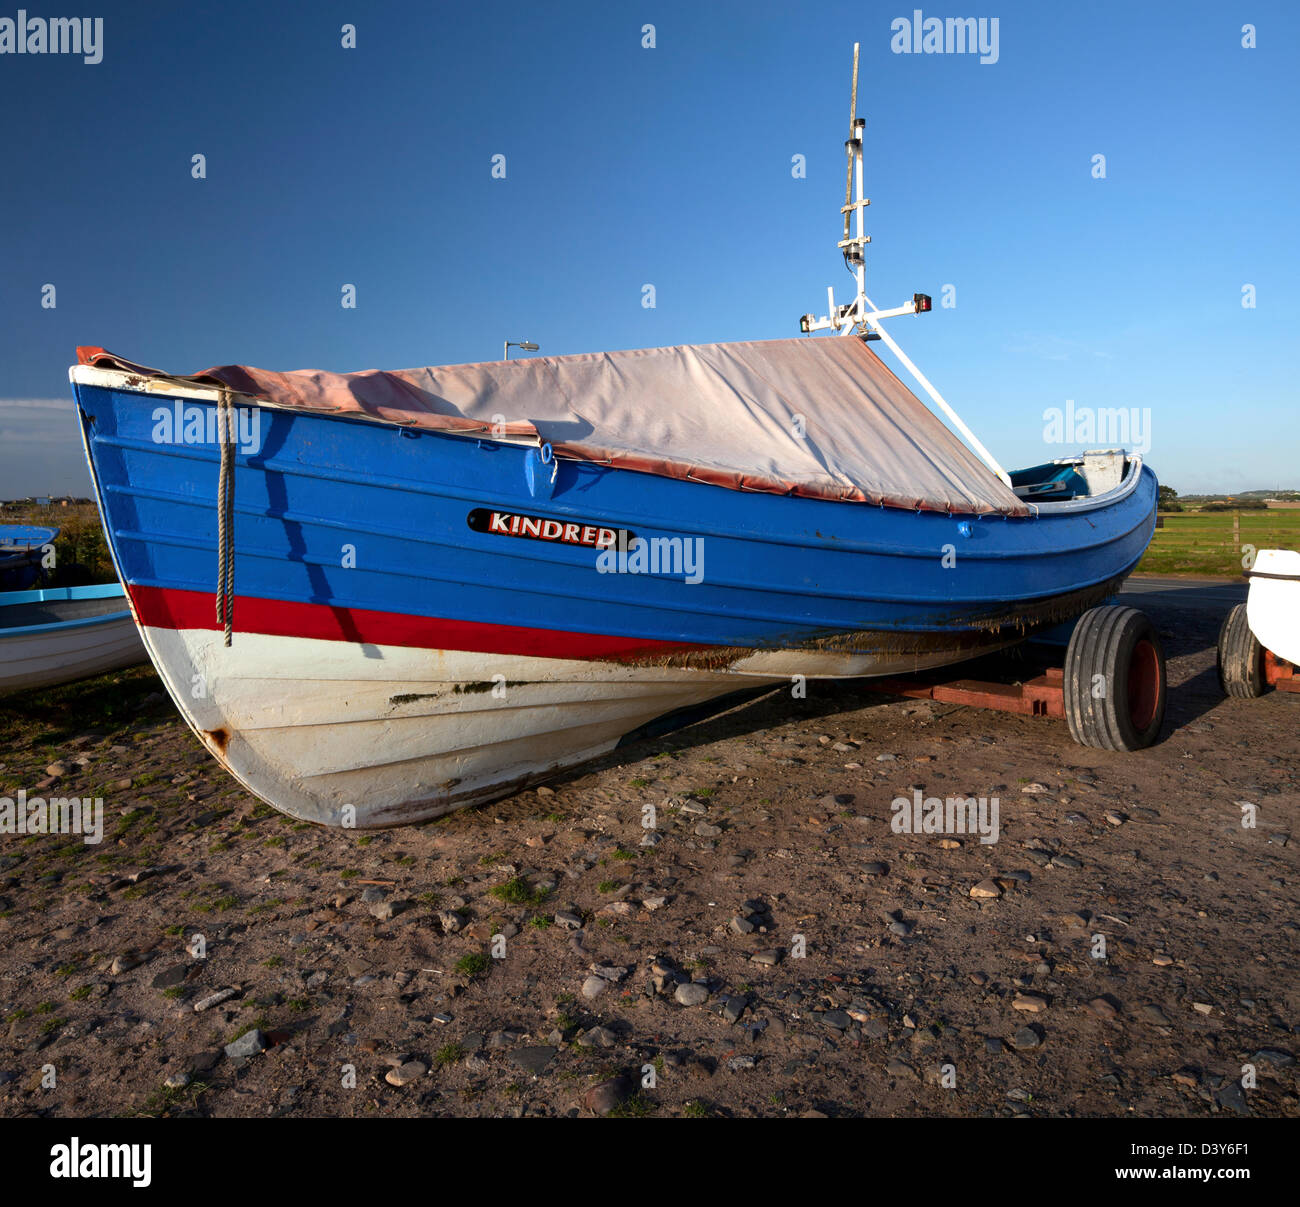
(1090, 474)
(1103, 470)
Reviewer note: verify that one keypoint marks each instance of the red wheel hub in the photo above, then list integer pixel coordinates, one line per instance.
(1143, 685)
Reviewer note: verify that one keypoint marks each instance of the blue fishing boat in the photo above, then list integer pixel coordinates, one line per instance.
(58, 635)
(380, 596)
(23, 549)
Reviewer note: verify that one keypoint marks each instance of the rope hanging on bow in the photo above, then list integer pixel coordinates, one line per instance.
(226, 517)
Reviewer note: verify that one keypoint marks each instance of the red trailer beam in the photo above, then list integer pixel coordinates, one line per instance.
(1043, 696)
(1280, 673)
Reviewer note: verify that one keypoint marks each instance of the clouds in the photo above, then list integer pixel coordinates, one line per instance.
(40, 448)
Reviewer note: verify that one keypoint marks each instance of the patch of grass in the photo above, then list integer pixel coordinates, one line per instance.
(80, 993)
(265, 907)
(472, 965)
(638, 782)
(173, 992)
(555, 817)
(541, 921)
(45, 1008)
(365, 840)
(607, 886)
(218, 904)
(349, 874)
(52, 1024)
(636, 1107)
(448, 1054)
(273, 962)
(623, 854)
(260, 1023)
(695, 1110)
(65, 969)
(517, 892)
(164, 1100)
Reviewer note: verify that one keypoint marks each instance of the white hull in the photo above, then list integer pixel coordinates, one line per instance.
(371, 735)
(64, 653)
(1273, 605)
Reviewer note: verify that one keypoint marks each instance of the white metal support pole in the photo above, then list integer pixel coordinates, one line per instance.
(862, 312)
(859, 125)
(924, 383)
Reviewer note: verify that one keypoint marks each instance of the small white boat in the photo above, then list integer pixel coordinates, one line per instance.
(60, 634)
(1273, 606)
(1259, 644)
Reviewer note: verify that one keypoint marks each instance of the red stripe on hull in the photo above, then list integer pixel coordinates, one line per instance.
(167, 608)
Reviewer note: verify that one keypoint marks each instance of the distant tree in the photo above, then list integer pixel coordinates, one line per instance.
(1236, 505)
(1169, 499)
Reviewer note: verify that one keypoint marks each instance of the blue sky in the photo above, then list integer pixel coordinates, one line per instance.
(670, 166)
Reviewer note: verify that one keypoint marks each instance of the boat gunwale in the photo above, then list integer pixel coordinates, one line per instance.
(166, 387)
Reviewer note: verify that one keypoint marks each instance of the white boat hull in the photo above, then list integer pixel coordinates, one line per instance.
(1273, 605)
(364, 735)
(35, 659)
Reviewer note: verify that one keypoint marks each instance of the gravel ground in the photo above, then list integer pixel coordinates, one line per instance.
(770, 947)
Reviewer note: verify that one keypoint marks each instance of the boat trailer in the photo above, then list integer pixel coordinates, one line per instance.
(1111, 689)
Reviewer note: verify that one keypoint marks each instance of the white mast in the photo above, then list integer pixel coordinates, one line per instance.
(860, 316)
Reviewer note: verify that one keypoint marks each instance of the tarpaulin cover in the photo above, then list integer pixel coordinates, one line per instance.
(822, 418)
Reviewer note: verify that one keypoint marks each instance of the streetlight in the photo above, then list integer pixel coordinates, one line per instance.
(526, 346)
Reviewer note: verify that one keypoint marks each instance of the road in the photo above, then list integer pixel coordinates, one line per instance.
(1202, 594)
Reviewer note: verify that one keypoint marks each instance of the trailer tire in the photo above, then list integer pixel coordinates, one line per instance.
(1241, 657)
(1114, 680)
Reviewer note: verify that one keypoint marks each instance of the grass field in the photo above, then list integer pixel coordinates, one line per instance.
(1207, 543)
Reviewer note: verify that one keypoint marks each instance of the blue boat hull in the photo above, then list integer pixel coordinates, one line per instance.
(778, 571)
